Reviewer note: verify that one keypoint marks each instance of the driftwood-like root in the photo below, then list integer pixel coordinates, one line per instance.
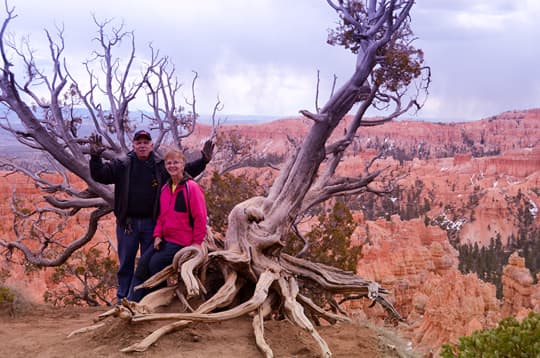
(335, 281)
(328, 316)
(258, 328)
(155, 336)
(187, 270)
(259, 296)
(295, 312)
(161, 297)
(157, 278)
(224, 296)
(86, 329)
(275, 290)
(184, 301)
(221, 297)
(112, 312)
(255, 267)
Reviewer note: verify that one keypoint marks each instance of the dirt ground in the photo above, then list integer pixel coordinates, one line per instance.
(41, 331)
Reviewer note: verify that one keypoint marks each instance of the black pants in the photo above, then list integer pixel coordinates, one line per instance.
(150, 263)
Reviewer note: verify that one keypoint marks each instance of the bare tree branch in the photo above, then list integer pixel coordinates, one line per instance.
(251, 258)
(42, 111)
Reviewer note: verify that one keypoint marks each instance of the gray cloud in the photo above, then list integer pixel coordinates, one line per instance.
(262, 56)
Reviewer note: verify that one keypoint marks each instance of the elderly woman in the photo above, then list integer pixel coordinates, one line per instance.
(181, 222)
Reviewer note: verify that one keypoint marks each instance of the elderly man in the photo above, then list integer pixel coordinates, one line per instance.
(137, 180)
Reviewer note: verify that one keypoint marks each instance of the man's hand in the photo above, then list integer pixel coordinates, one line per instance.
(96, 144)
(208, 150)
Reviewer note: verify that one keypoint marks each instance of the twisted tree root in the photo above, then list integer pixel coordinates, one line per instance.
(155, 336)
(259, 296)
(86, 329)
(223, 297)
(258, 325)
(329, 316)
(277, 278)
(295, 312)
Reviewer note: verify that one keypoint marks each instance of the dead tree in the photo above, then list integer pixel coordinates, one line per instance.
(250, 259)
(251, 254)
(50, 111)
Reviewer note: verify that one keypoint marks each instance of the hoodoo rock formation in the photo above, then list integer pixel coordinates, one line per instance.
(518, 288)
(476, 177)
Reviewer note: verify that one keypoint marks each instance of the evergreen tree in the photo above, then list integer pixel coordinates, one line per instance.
(224, 192)
(331, 239)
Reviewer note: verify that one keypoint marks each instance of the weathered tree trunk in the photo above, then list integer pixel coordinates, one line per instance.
(250, 260)
(257, 228)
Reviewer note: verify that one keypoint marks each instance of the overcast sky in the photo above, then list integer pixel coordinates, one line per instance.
(262, 56)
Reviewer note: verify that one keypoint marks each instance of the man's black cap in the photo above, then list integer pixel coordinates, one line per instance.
(142, 133)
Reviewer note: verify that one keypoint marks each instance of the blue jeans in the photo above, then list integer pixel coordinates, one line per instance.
(151, 262)
(135, 234)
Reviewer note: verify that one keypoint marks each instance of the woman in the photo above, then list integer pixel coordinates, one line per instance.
(181, 222)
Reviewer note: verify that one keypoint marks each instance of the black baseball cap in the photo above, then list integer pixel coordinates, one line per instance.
(142, 133)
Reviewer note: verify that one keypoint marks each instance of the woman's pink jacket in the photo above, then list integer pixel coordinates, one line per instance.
(173, 221)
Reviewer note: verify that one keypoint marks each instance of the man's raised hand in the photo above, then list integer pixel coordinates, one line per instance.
(208, 150)
(96, 144)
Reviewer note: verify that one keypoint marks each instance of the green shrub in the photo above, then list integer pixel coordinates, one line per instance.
(6, 296)
(88, 277)
(222, 195)
(330, 240)
(510, 339)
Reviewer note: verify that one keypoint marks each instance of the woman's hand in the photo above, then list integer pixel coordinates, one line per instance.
(157, 242)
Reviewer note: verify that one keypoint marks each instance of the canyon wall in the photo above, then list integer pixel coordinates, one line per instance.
(475, 176)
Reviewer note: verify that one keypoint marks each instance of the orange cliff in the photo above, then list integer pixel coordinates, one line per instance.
(474, 191)
(418, 265)
(470, 170)
(503, 133)
(26, 279)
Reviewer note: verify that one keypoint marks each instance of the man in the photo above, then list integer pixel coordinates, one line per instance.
(137, 180)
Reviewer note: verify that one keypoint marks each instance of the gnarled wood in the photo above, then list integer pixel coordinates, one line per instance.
(247, 273)
(155, 336)
(86, 329)
(295, 312)
(329, 316)
(258, 327)
(260, 295)
(222, 298)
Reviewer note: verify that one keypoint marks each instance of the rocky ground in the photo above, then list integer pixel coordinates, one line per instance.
(40, 331)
